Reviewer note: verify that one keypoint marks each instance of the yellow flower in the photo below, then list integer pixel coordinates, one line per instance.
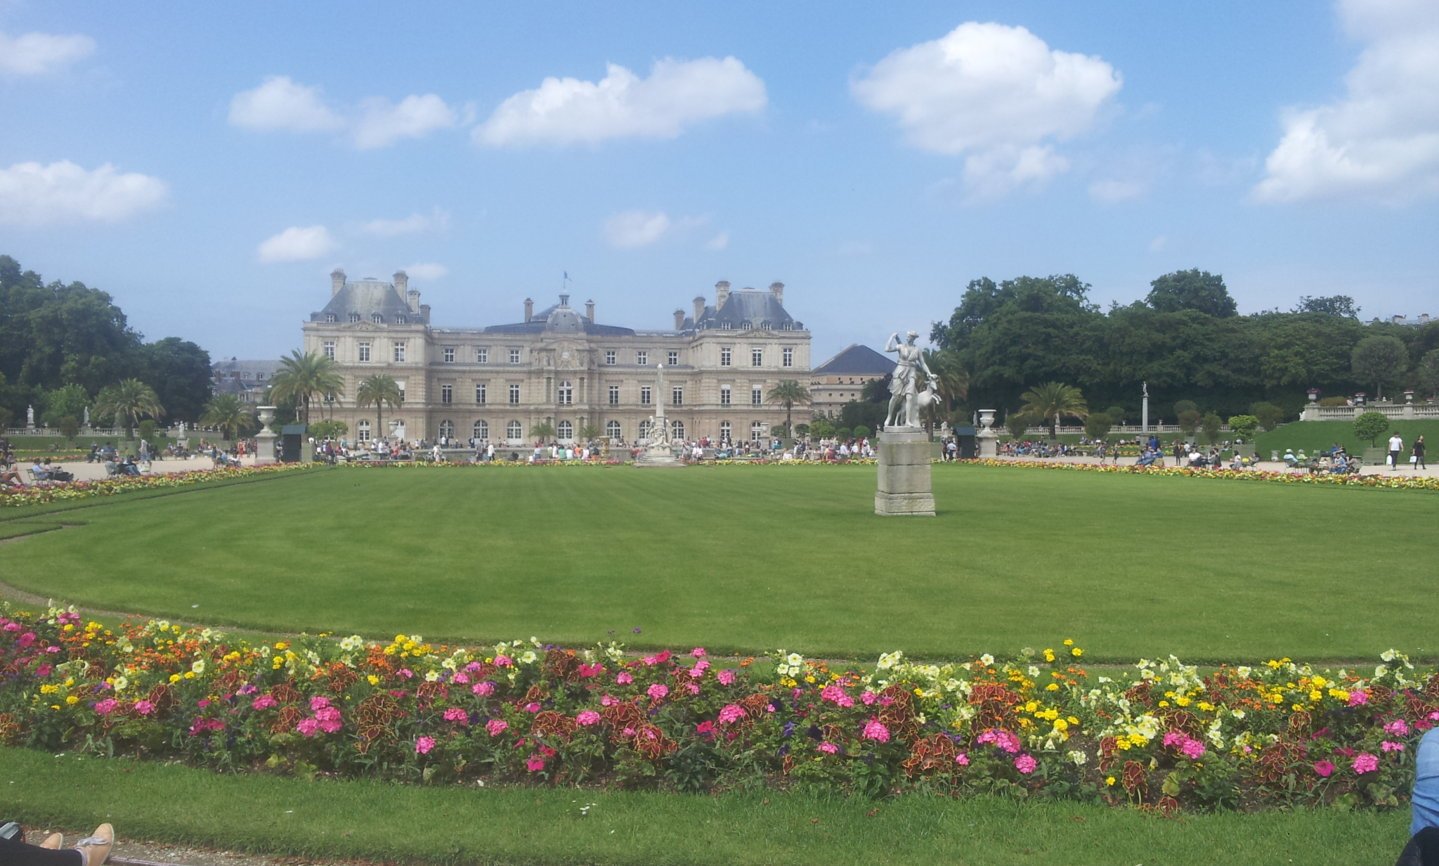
(374, 680)
(72, 700)
(1048, 654)
(1109, 780)
(174, 678)
(1076, 652)
(1052, 687)
(1069, 641)
(279, 645)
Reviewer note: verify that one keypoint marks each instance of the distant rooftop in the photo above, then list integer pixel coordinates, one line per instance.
(855, 360)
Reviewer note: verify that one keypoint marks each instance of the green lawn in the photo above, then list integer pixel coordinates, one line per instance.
(1314, 436)
(755, 558)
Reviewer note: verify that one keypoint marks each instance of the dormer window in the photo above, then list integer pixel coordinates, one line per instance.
(377, 319)
(354, 317)
(400, 320)
(330, 318)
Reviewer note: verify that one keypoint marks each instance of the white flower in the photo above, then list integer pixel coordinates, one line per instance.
(352, 643)
(889, 660)
(1243, 672)
(1033, 671)
(198, 666)
(794, 660)
(528, 657)
(120, 683)
(432, 676)
(1387, 655)
(1078, 757)
(987, 660)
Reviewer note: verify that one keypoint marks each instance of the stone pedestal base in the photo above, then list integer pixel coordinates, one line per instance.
(905, 487)
(264, 448)
(658, 456)
(988, 444)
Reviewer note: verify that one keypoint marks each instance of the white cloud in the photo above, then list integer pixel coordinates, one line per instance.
(42, 53)
(997, 95)
(631, 229)
(382, 123)
(718, 242)
(297, 243)
(427, 271)
(1381, 141)
(677, 94)
(415, 223)
(281, 104)
(1111, 190)
(32, 194)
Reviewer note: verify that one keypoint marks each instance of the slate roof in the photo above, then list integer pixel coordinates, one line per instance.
(748, 308)
(561, 319)
(366, 297)
(855, 360)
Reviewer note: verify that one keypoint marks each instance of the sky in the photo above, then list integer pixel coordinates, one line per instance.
(208, 165)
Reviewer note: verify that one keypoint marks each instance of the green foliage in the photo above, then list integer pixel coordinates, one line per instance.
(801, 430)
(1117, 414)
(543, 431)
(1244, 426)
(147, 429)
(1330, 305)
(329, 429)
(1189, 421)
(69, 427)
(821, 428)
(1269, 415)
(1370, 426)
(1212, 424)
(1017, 423)
(127, 402)
(179, 371)
(1098, 425)
(1427, 374)
(1052, 402)
(304, 377)
(788, 392)
(379, 390)
(861, 432)
(65, 401)
(1379, 360)
(230, 414)
(1183, 406)
(1196, 290)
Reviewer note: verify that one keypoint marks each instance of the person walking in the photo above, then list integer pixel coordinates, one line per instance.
(1396, 445)
(1418, 454)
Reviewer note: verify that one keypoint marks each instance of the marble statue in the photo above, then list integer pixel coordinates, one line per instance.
(904, 401)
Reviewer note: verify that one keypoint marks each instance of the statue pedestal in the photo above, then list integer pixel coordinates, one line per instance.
(265, 447)
(905, 486)
(658, 455)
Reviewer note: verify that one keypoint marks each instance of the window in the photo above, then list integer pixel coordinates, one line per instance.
(724, 431)
(364, 350)
(480, 393)
(756, 396)
(756, 431)
(482, 355)
(644, 395)
(399, 351)
(566, 394)
(610, 357)
(612, 429)
(377, 319)
(642, 358)
(330, 318)
(354, 317)
(725, 326)
(400, 320)
(514, 356)
(726, 356)
(447, 430)
(788, 357)
(362, 430)
(672, 358)
(564, 430)
(614, 395)
(400, 384)
(449, 354)
(513, 432)
(677, 431)
(724, 395)
(330, 349)
(447, 393)
(756, 357)
(677, 396)
(481, 430)
(514, 395)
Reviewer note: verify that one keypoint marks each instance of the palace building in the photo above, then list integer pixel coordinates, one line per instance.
(559, 367)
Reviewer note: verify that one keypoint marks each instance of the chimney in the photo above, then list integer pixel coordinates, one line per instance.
(402, 282)
(337, 281)
(679, 320)
(413, 297)
(529, 308)
(699, 308)
(590, 310)
(777, 289)
(721, 294)
(425, 313)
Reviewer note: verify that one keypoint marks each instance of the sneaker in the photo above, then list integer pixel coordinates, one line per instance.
(53, 841)
(95, 848)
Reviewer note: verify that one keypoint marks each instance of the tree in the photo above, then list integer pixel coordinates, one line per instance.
(126, 402)
(378, 390)
(1370, 426)
(1269, 415)
(301, 378)
(545, 430)
(1052, 401)
(1116, 414)
(1243, 426)
(1017, 423)
(1380, 360)
(589, 431)
(1191, 290)
(229, 413)
(951, 380)
(67, 401)
(329, 429)
(1182, 406)
(1330, 305)
(1189, 421)
(788, 392)
(1212, 424)
(1098, 425)
(1427, 374)
(179, 371)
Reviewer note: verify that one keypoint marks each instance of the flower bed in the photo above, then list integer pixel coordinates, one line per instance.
(1378, 482)
(77, 490)
(1277, 734)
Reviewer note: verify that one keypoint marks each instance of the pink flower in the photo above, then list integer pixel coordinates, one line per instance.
(608, 701)
(962, 759)
(1365, 763)
(1192, 749)
(1391, 746)
(588, 717)
(406, 673)
(698, 652)
(875, 730)
(827, 747)
(594, 670)
(692, 688)
(504, 662)
(697, 672)
(309, 727)
(460, 678)
(484, 689)
(868, 697)
(106, 707)
(423, 745)
(1025, 764)
(144, 708)
(731, 713)
(1324, 768)
(495, 727)
(535, 764)
(263, 702)
(1001, 738)
(1358, 697)
(1397, 728)
(726, 677)
(624, 678)
(532, 707)
(657, 691)
(836, 695)
(318, 703)
(456, 714)
(705, 729)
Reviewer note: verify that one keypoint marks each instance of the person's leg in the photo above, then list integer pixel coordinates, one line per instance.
(13, 852)
(1425, 801)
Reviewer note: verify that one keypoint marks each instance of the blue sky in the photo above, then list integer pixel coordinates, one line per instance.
(209, 165)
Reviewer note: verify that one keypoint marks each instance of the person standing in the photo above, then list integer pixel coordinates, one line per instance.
(1418, 453)
(1396, 445)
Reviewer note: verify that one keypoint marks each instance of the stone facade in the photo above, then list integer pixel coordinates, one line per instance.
(559, 366)
(841, 379)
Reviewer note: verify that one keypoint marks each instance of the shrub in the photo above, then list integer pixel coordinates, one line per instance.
(1269, 415)
(1244, 426)
(1097, 425)
(1117, 414)
(329, 429)
(1183, 406)
(1016, 423)
(1189, 421)
(1212, 424)
(1370, 426)
(147, 429)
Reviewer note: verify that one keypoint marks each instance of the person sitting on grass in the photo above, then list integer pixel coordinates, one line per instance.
(90, 851)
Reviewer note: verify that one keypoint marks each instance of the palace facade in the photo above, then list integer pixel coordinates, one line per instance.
(559, 367)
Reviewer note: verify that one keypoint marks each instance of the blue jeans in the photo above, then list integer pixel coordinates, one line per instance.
(1426, 783)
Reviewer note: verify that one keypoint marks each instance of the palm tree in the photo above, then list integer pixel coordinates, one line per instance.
(303, 377)
(127, 401)
(1052, 401)
(543, 431)
(377, 390)
(788, 392)
(229, 413)
(951, 380)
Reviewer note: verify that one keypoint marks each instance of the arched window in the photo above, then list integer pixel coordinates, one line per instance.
(564, 431)
(645, 429)
(612, 429)
(677, 430)
(514, 432)
(362, 430)
(566, 393)
(481, 430)
(447, 429)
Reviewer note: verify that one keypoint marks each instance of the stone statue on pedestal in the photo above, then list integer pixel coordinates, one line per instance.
(904, 384)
